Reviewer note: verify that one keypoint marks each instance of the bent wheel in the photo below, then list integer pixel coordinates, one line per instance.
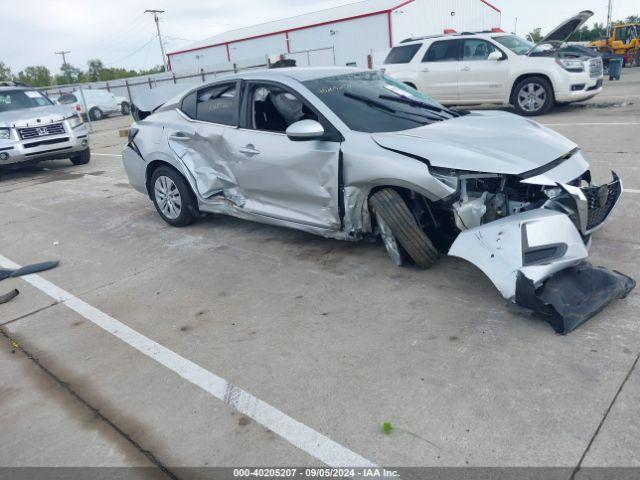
(400, 229)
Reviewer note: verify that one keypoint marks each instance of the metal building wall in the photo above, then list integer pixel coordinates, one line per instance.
(352, 39)
(428, 17)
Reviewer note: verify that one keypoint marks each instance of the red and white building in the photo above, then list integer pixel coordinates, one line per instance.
(342, 35)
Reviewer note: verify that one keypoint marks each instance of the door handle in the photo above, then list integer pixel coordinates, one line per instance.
(178, 136)
(249, 150)
(425, 70)
(465, 69)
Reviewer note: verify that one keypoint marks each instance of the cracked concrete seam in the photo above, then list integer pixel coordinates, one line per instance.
(94, 410)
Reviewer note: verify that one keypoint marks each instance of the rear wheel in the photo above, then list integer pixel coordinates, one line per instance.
(81, 159)
(172, 197)
(96, 114)
(400, 231)
(532, 96)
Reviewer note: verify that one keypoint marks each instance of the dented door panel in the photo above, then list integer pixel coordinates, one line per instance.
(280, 178)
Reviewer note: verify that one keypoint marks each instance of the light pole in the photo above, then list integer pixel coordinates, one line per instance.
(609, 12)
(157, 20)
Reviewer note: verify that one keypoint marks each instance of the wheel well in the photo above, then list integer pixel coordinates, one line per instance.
(529, 75)
(152, 167)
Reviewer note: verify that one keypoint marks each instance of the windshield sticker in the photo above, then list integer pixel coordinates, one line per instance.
(33, 94)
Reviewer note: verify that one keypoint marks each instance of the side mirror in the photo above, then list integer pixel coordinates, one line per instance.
(495, 55)
(305, 130)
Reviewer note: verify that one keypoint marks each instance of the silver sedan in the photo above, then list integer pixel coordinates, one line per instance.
(347, 153)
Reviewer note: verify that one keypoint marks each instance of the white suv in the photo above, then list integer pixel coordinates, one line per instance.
(499, 68)
(100, 103)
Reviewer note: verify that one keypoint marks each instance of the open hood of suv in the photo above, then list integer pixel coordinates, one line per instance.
(562, 32)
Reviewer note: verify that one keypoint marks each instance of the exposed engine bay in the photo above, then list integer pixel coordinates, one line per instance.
(530, 236)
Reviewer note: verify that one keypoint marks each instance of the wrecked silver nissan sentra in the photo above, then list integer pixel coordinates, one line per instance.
(347, 153)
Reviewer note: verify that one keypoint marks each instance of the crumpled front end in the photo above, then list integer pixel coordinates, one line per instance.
(537, 257)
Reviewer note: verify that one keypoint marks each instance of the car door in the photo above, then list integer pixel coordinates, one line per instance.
(296, 181)
(439, 69)
(481, 79)
(201, 143)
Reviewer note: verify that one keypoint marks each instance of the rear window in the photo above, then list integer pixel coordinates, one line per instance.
(443, 51)
(402, 54)
(66, 98)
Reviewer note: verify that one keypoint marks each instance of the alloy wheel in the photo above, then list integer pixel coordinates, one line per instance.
(167, 197)
(532, 97)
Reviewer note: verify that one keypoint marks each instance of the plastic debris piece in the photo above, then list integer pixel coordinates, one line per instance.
(7, 297)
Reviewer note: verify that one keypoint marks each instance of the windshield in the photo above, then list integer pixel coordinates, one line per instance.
(517, 45)
(371, 102)
(21, 99)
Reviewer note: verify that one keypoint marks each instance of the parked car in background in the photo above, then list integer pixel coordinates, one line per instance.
(499, 68)
(347, 153)
(124, 105)
(100, 103)
(33, 128)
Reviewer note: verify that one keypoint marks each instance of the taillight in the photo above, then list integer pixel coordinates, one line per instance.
(78, 108)
(131, 134)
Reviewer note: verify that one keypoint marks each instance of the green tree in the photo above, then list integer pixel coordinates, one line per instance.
(68, 74)
(5, 72)
(535, 36)
(36, 76)
(95, 71)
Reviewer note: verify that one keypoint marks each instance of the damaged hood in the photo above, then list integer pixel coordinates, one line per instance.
(489, 142)
(29, 117)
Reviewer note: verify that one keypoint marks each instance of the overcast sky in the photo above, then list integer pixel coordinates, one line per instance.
(120, 34)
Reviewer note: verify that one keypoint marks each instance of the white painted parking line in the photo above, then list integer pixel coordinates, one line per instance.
(107, 154)
(631, 190)
(295, 432)
(587, 124)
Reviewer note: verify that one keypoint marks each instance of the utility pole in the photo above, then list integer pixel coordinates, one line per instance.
(515, 27)
(157, 20)
(609, 13)
(64, 61)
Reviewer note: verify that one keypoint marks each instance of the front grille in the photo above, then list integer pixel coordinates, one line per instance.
(601, 201)
(595, 67)
(44, 130)
(46, 142)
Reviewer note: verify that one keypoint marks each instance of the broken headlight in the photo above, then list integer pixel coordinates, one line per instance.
(445, 175)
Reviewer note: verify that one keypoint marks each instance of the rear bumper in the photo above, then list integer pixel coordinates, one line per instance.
(136, 169)
(48, 147)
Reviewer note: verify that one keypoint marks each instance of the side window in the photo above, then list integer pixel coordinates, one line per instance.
(215, 104)
(475, 49)
(402, 54)
(273, 109)
(443, 51)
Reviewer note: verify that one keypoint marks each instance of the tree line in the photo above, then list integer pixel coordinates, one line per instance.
(585, 34)
(41, 76)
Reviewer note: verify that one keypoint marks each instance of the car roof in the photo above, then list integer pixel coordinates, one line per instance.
(302, 74)
(452, 36)
(14, 89)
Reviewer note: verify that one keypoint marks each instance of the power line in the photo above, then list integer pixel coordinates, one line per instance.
(157, 20)
(64, 62)
(134, 52)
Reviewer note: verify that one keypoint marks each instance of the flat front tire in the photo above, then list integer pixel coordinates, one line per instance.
(388, 205)
(533, 96)
(172, 197)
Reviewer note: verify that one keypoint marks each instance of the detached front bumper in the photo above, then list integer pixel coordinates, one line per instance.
(537, 260)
